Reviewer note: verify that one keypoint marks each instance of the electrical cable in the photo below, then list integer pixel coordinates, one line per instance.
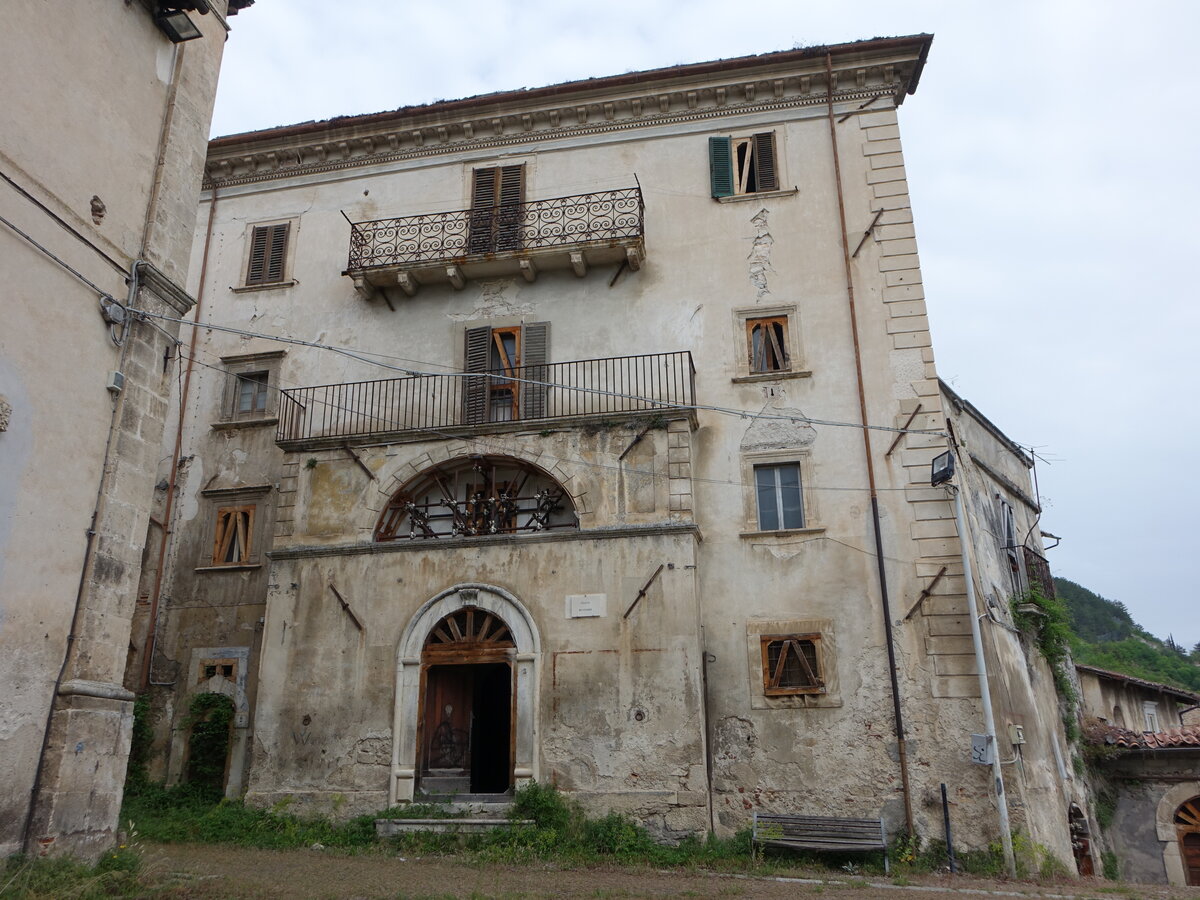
(356, 354)
(63, 223)
(63, 264)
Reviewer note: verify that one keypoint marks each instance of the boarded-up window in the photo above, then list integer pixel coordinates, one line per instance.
(268, 254)
(497, 209)
(744, 165)
(767, 344)
(791, 664)
(232, 541)
(514, 359)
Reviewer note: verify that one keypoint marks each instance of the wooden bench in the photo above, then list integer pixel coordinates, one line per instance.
(820, 833)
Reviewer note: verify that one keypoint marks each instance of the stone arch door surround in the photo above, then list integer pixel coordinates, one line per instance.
(1169, 831)
(527, 654)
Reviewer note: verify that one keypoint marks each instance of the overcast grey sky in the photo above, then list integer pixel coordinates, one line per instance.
(1051, 152)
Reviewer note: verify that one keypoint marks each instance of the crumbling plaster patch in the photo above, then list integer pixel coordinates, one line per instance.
(774, 433)
(760, 254)
(493, 303)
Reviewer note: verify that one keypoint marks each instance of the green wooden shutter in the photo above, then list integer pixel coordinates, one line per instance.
(535, 351)
(720, 164)
(765, 170)
(475, 388)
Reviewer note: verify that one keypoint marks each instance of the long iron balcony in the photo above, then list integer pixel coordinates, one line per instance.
(496, 241)
(452, 405)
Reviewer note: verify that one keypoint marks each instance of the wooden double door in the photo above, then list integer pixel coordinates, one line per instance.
(1187, 825)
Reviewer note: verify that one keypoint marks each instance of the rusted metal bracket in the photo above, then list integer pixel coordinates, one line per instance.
(867, 233)
(641, 434)
(346, 606)
(358, 459)
(617, 274)
(645, 587)
(926, 593)
(904, 429)
(861, 107)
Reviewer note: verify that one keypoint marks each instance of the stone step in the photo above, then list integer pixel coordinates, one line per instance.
(475, 825)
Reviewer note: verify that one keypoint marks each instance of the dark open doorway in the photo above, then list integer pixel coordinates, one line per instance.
(466, 725)
(467, 729)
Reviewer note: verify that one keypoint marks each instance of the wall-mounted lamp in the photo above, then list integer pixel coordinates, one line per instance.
(942, 468)
(176, 25)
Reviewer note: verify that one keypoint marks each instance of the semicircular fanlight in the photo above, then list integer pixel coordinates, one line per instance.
(476, 496)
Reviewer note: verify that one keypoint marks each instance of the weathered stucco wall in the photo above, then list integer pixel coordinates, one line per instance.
(689, 657)
(1150, 787)
(96, 106)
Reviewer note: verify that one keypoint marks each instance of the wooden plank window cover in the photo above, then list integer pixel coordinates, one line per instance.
(767, 344)
(232, 541)
(791, 664)
(268, 254)
(497, 207)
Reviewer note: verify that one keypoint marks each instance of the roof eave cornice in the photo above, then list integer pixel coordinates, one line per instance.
(866, 69)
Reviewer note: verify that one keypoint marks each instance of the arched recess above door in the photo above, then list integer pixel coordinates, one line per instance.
(474, 496)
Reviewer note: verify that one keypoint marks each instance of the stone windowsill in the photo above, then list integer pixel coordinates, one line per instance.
(781, 533)
(759, 195)
(771, 376)
(233, 424)
(273, 286)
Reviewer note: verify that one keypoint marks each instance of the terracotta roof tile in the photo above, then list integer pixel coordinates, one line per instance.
(1172, 739)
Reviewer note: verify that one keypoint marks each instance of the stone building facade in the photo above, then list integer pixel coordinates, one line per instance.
(525, 441)
(101, 156)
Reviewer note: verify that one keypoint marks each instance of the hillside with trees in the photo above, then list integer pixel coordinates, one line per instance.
(1105, 635)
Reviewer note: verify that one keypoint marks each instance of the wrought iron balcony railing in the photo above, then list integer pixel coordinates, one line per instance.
(600, 218)
(1037, 569)
(434, 403)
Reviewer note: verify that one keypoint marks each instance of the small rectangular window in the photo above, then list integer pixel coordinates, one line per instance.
(791, 664)
(268, 254)
(779, 497)
(767, 344)
(251, 395)
(743, 165)
(232, 541)
(513, 356)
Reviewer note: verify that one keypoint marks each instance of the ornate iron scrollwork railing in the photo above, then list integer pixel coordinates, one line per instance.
(598, 218)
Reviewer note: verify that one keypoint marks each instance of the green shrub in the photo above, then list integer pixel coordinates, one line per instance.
(543, 804)
(616, 835)
(1110, 866)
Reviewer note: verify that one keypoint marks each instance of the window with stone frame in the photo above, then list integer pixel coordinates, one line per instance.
(236, 518)
(743, 165)
(511, 361)
(251, 392)
(791, 664)
(779, 496)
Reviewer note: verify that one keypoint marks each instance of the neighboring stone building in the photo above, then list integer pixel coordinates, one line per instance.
(583, 495)
(101, 155)
(1149, 776)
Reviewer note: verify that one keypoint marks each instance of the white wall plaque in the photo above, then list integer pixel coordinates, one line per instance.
(583, 606)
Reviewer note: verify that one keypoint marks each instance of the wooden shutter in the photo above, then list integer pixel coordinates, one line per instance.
(475, 388)
(268, 254)
(510, 197)
(720, 165)
(483, 199)
(765, 170)
(535, 340)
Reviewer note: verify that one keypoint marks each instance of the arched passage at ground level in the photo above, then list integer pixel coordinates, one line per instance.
(1180, 852)
(412, 745)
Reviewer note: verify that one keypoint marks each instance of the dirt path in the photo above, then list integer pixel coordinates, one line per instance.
(205, 871)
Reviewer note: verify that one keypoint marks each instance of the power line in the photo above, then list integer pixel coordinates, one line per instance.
(484, 444)
(357, 354)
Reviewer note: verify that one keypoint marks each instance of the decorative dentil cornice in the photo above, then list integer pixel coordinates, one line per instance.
(515, 118)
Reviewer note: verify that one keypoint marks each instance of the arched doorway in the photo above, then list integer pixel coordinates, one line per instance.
(1187, 825)
(465, 731)
(440, 635)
